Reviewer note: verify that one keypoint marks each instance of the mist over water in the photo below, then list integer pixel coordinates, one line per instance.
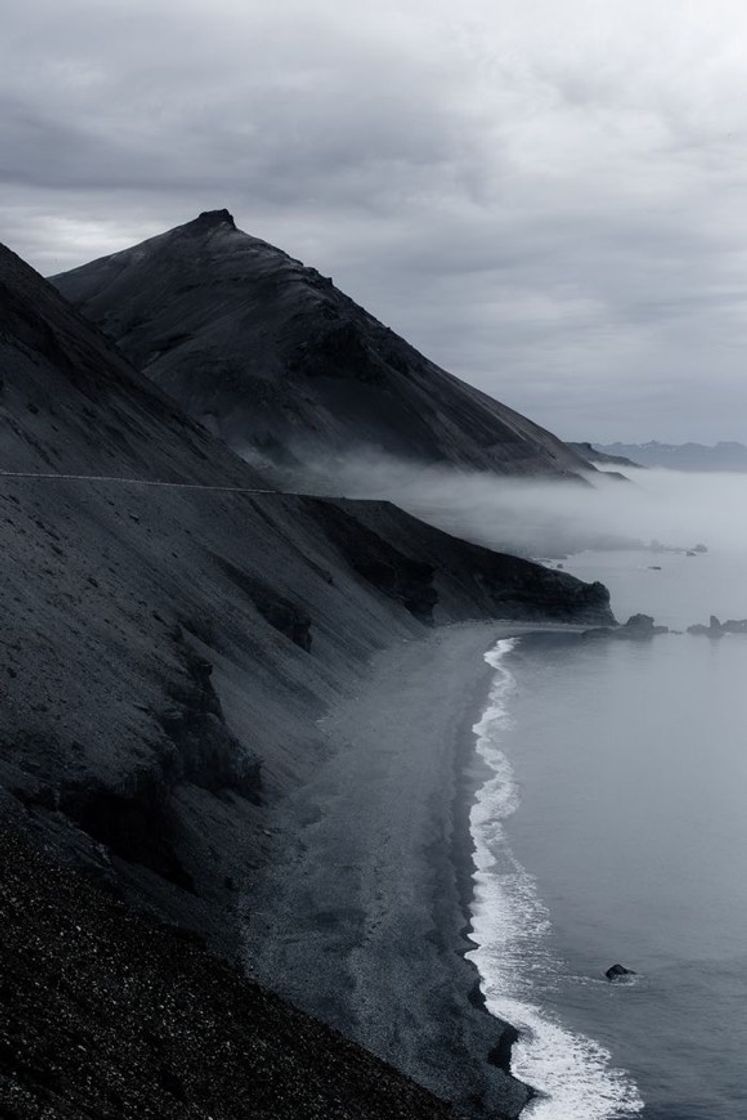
(612, 828)
(538, 517)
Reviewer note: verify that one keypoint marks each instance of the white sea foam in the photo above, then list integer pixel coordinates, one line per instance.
(510, 927)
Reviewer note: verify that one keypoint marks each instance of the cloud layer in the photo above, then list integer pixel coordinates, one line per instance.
(547, 198)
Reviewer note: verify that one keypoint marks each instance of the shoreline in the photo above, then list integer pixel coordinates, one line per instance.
(373, 877)
(471, 773)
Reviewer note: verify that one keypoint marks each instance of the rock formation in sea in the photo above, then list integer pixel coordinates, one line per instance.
(173, 630)
(717, 629)
(639, 627)
(272, 357)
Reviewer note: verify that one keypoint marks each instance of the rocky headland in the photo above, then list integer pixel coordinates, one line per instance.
(174, 633)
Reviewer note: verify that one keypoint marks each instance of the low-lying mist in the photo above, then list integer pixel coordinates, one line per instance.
(550, 518)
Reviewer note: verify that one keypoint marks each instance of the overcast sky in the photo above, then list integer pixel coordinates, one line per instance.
(548, 197)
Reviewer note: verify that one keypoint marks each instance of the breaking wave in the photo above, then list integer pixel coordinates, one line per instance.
(572, 1074)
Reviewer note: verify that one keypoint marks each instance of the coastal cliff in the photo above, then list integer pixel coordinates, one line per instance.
(174, 630)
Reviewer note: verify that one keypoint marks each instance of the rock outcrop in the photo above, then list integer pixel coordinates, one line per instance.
(639, 627)
(618, 972)
(717, 629)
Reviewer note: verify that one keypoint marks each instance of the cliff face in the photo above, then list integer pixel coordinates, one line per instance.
(280, 363)
(167, 649)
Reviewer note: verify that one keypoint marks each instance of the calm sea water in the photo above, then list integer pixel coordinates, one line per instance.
(613, 827)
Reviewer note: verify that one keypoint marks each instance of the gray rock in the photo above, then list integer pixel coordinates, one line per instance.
(714, 629)
(618, 971)
(639, 627)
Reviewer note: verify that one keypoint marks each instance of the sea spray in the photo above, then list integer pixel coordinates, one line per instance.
(510, 928)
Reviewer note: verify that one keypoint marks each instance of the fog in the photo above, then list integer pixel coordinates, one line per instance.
(550, 518)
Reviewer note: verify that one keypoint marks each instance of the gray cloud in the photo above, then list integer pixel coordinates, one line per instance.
(547, 199)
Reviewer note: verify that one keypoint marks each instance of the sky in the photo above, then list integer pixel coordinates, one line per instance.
(547, 197)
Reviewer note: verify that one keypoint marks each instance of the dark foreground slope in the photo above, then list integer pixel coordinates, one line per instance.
(279, 362)
(167, 650)
(104, 1014)
(69, 403)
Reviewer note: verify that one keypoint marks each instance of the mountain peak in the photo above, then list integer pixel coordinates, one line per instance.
(210, 219)
(280, 360)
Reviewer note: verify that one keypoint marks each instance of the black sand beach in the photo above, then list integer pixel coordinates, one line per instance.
(372, 876)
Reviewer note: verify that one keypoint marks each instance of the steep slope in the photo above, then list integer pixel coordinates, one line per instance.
(70, 404)
(107, 1015)
(168, 649)
(592, 455)
(277, 361)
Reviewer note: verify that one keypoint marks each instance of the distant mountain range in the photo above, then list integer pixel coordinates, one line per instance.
(273, 358)
(723, 456)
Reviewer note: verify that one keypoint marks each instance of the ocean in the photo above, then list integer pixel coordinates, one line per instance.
(612, 827)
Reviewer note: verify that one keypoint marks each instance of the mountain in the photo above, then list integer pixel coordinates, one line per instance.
(271, 356)
(723, 456)
(593, 456)
(173, 633)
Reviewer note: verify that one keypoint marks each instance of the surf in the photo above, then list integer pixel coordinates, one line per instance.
(572, 1075)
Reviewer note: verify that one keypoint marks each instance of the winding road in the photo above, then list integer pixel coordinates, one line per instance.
(135, 482)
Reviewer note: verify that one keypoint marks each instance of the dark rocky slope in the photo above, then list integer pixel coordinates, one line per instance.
(107, 1015)
(165, 651)
(280, 363)
(69, 403)
(592, 456)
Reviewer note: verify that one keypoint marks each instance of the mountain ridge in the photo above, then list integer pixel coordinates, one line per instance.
(271, 356)
(169, 648)
(726, 455)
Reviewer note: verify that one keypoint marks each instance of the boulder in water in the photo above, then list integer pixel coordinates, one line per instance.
(617, 971)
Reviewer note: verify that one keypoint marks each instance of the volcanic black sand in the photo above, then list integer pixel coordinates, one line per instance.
(373, 870)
